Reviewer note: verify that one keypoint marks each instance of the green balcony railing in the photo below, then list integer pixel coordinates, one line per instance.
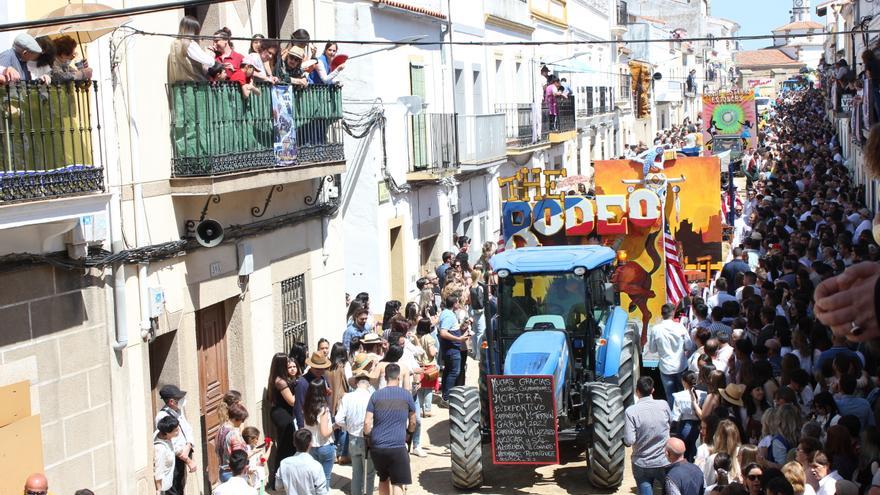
(46, 136)
(215, 130)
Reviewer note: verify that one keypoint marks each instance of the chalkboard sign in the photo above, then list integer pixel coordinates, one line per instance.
(523, 419)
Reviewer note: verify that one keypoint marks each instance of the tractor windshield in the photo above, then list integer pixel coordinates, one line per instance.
(523, 296)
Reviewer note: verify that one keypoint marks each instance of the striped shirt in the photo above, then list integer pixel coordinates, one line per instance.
(391, 407)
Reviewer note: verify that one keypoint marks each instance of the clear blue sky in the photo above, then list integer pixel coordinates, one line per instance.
(756, 17)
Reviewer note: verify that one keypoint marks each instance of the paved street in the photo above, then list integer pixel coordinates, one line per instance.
(431, 474)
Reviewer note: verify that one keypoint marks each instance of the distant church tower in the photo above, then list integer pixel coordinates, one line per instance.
(800, 10)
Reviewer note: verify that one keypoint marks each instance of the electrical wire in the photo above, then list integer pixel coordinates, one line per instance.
(524, 42)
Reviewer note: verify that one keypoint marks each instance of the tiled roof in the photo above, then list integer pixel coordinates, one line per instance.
(793, 26)
(652, 19)
(768, 57)
(412, 8)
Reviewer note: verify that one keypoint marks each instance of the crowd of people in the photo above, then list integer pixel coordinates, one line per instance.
(771, 383)
(298, 63)
(358, 401)
(44, 59)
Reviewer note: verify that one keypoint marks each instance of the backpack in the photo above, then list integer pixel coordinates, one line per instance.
(477, 297)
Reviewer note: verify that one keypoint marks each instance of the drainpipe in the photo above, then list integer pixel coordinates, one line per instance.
(140, 218)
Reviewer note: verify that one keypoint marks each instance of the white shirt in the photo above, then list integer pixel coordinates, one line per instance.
(319, 440)
(352, 411)
(828, 484)
(739, 291)
(719, 298)
(864, 225)
(722, 358)
(668, 339)
(682, 409)
(163, 462)
(186, 433)
(301, 474)
(235, 486)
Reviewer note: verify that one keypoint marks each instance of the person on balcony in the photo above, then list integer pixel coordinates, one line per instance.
(551, 93)
(62, 70)
(226, 54)
(250, 66)
(290, 70)
(41, 68)
(13, 62)
(187, 61)
(323, 73)
(268, 53)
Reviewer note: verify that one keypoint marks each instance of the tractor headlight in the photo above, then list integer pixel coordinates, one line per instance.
(579, 271)
(503, 273)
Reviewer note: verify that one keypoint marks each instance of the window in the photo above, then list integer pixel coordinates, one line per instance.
(294, 317)
(418, 124)
(589, 100)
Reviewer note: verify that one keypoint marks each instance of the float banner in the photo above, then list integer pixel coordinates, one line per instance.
(730, 111)
(692, 214)
(284, 141)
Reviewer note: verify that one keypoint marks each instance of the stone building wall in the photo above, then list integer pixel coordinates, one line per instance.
(53, 333)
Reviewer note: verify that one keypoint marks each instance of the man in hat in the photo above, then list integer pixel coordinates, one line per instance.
(350, 416)
(175, 401)
(290, 69)
(317, 364)
(14, 60)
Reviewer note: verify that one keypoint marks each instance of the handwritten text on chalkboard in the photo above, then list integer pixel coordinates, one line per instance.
(523, 417)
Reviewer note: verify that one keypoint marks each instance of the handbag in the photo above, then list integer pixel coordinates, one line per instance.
(431, 373)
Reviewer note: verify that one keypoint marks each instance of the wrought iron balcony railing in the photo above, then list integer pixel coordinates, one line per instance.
(47, 140)
(522, 124)
(215, 130)
(433, 142)
(560, 119)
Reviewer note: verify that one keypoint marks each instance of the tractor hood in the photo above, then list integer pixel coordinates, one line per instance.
(540, 352)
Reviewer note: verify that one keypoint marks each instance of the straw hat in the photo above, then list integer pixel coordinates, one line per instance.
(733, 393)
(360, 366)
(318, 361)
(371, 338)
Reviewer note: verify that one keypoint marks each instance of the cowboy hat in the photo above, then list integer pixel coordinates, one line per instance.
(318, 361)
(733, 393)
(371, 338)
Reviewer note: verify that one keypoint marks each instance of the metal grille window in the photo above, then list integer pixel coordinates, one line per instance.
(294, 317)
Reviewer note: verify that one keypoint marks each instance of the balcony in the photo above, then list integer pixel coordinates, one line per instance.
(217, 133)
(562, 125)
(522, 127)
(481, 140)
(510, 14)
(47, 141)
(622, 18)
(433, 146)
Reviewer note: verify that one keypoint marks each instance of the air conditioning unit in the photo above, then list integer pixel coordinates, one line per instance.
(89, 230)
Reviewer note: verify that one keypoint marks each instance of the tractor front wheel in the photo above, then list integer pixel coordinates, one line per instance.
(606, 453)
(465, 442)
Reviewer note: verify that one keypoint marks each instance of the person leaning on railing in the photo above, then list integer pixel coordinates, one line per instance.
(250, 66)
(187, 61)
(290, 69)
(13, 62)
(62, 70)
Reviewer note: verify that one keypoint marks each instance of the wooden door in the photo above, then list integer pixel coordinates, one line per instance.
(213, 379)
(398, 274)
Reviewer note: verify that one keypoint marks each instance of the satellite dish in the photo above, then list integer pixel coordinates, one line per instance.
(412, 103)
(658, 76)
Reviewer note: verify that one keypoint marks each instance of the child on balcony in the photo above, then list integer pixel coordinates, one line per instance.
(245, 77)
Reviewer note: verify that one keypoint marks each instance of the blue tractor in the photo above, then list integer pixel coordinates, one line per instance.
(557, 314)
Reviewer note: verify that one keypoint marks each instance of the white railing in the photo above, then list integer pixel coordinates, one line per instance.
(481, 138)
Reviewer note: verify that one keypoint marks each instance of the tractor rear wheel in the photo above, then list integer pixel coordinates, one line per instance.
(606, 453)
(465, 443)
(628, 372)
